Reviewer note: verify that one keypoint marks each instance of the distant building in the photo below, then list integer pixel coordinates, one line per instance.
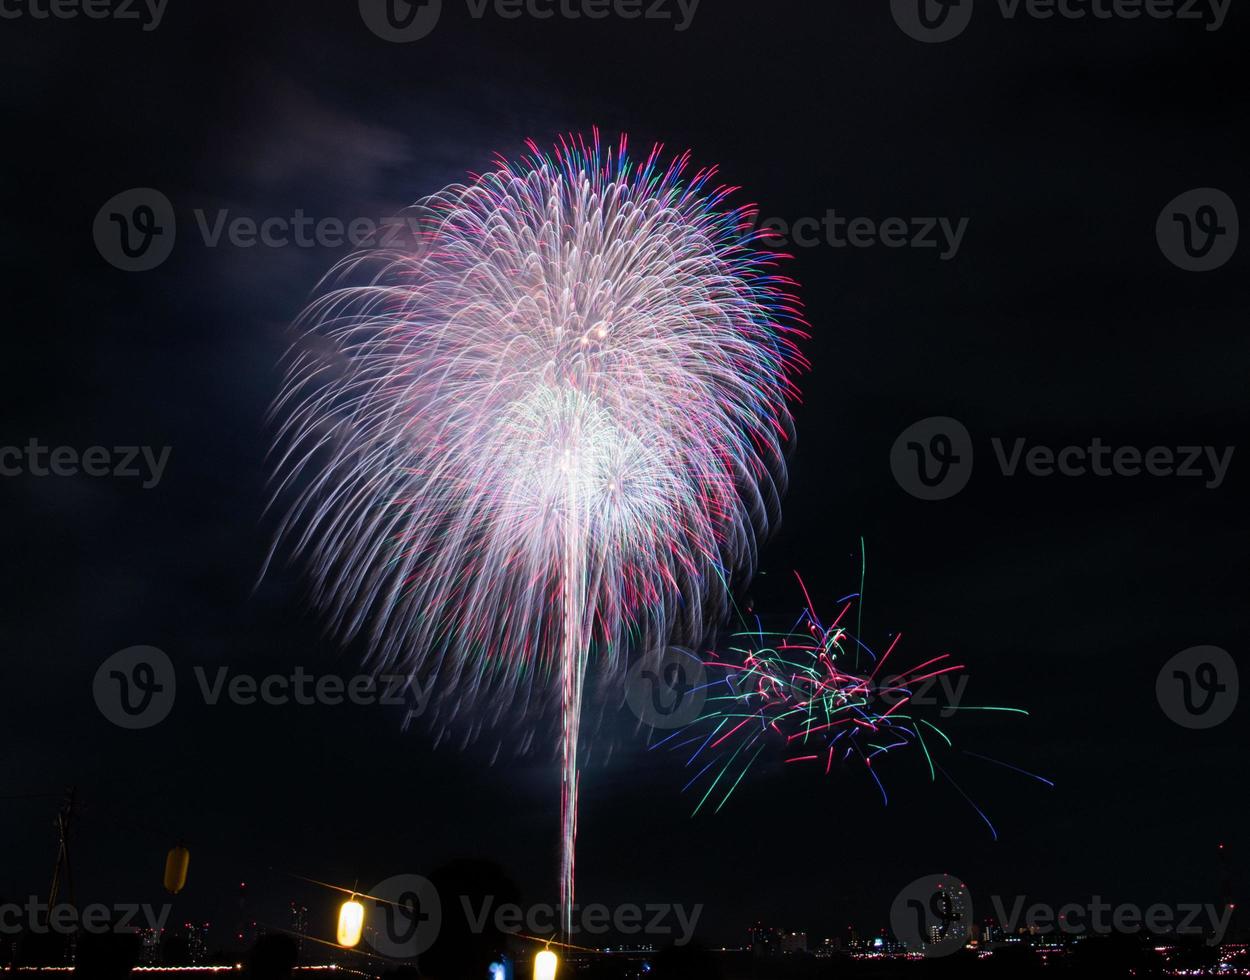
(794, 942)
(150, 946)
(953, 917)
(197, 942)
(767, 941)
(299, 924)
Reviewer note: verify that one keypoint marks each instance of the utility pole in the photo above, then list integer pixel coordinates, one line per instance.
(62, 874)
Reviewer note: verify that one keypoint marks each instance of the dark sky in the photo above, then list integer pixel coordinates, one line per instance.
(1059, 320)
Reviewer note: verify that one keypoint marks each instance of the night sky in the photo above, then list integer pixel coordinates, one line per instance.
(1058, 320)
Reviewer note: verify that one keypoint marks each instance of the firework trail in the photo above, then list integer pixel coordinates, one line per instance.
(816, 696)
(549, 434)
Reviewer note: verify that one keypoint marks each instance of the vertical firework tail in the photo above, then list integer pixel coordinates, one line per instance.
(575, 638)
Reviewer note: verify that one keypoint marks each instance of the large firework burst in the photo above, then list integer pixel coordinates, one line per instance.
(548, 434)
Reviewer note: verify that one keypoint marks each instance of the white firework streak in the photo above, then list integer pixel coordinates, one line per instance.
(550, 433)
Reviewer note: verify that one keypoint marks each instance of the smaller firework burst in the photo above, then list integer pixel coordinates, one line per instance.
(816, 696)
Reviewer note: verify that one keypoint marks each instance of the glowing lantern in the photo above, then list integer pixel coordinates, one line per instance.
(176, 863)
(351, 922)
(545, 965)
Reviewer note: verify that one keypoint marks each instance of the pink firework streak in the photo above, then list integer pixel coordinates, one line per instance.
(547, 436)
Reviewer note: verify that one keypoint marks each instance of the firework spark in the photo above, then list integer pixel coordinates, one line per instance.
(550, 434)
(816, 696)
